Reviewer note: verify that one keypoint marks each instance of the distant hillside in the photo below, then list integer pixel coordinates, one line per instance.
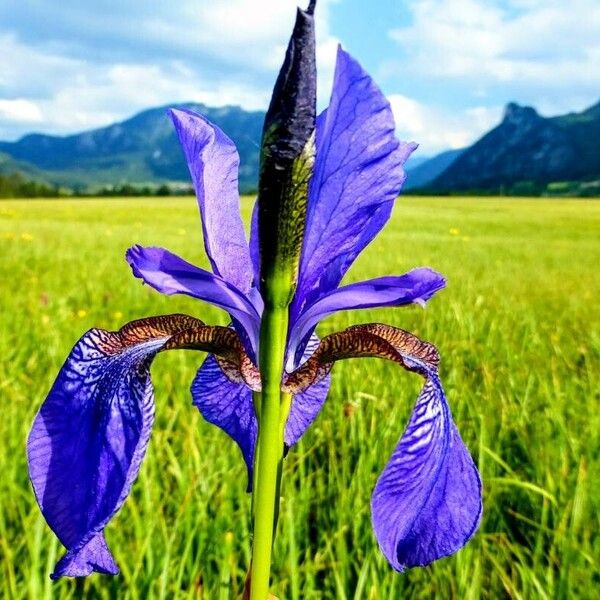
(141, 150)
(528, 152)
(9, 166)
(424, 172)
(525, 154)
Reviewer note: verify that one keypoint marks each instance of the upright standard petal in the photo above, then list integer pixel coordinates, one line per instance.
(358, 174)
(427, 501)
(91, 433)
(170, 274)
(213, 162)
(415, 287)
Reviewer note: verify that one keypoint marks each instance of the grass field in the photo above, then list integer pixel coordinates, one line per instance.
(519, 333)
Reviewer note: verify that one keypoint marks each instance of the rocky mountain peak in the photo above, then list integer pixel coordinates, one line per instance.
(517, 115)
(593, 111)
(529, 150)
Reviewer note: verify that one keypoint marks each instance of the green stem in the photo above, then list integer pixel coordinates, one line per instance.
(272, 414)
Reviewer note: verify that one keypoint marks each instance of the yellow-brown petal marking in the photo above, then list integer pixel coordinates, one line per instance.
(363, 341)
(185, 332)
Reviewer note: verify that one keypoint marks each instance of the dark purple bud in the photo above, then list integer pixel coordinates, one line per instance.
(287, 157)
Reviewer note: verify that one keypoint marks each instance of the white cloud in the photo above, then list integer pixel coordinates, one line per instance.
(436, 129)
(242, 32)
(86, 69)
(539, 51)
(20, 110)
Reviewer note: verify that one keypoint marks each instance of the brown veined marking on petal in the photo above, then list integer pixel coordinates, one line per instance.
(354, 342)
(219, 340)
(405, 342)
(246, 372)
(361, 341)
(185, 332)
(308, 374)
(225, 344)
(153, 327)
(141, 330)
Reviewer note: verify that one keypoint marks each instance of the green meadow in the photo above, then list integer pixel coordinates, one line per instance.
(518, 329)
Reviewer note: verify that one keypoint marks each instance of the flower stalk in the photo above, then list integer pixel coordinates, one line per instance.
(272, 414)
(287, 161)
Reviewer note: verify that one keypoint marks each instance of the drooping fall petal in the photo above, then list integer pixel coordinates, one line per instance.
(213, 162)
(227, 403)
(90, 435)
(306, 406)
(427, 502)
(357, 176)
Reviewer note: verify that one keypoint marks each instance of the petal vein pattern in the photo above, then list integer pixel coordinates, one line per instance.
(427, 502)
(91, 433)
(213, 162)
(358, 174)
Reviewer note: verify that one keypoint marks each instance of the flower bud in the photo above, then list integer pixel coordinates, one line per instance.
(287, 159)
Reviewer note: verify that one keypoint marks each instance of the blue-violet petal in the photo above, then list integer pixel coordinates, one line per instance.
(170, 274)
(213, 162)
(427, 501)
(358, 175)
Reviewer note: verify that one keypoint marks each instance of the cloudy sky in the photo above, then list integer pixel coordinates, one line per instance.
(447, 66)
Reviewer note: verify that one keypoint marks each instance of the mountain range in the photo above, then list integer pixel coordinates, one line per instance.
(141, 150)
(422, 173)
(524, 153)
(528, 150)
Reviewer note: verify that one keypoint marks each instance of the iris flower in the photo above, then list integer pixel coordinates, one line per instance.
(327, 187)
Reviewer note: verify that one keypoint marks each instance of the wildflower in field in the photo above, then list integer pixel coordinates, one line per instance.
(327, 187)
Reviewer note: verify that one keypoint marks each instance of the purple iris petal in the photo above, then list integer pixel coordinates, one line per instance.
(229, 405)
(255, 243)
(87, 443)
(170, 274)
(358, 174)
(306, 406)
(94, 556)
(416, 286)
(427, 502)
(213, 162)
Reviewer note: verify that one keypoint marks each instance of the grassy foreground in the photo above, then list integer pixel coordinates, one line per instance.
(519, 333)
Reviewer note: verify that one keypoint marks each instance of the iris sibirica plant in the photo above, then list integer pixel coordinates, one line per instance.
(327, 186)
